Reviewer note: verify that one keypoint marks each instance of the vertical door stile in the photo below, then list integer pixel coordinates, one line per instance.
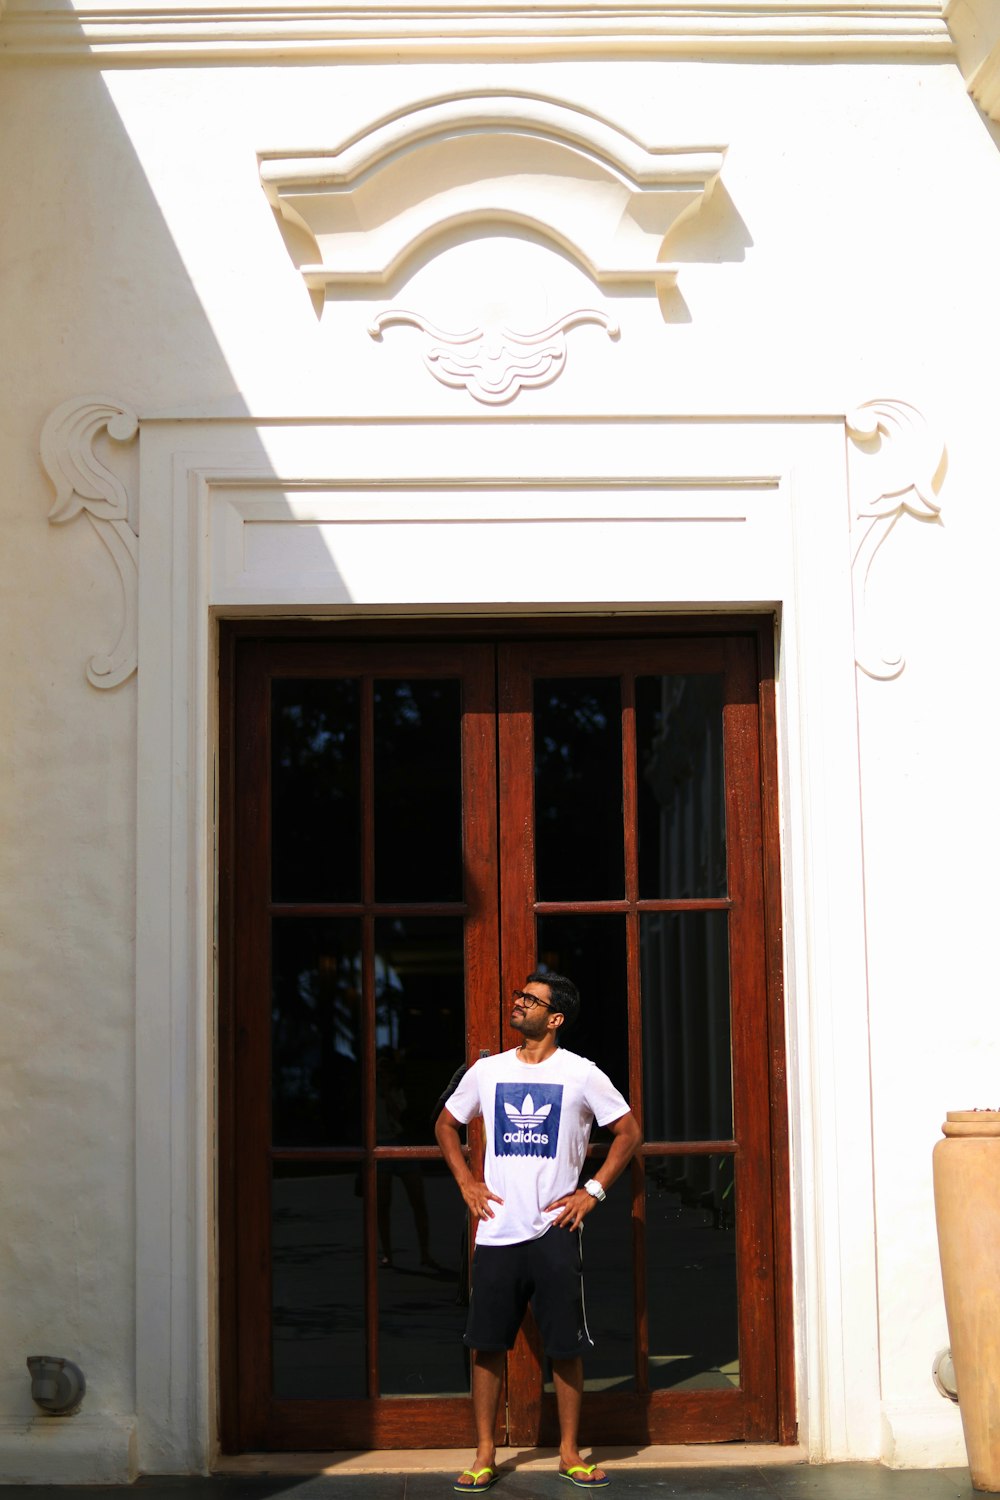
(751, 1101)
(517, 957)
(630, 773)
(252, 1040)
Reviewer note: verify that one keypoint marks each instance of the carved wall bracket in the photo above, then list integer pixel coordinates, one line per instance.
(493, 363)
(83, 483)
(904, 483)
(499, 159)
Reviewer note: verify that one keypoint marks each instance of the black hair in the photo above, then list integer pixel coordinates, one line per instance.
(565, 995)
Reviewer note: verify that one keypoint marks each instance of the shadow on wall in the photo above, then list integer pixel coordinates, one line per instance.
(95, 299)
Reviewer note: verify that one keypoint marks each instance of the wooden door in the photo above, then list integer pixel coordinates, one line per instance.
(407, 831)
(631, 854)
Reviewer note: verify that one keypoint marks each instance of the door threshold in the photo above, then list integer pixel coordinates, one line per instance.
(436, 1460)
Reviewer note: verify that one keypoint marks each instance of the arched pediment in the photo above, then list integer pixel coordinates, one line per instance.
(593, 190)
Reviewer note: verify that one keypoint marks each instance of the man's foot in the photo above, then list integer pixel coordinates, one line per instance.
(476, 1479)
(584, 1476)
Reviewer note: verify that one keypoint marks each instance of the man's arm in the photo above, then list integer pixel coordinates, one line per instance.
(626, 1140)
(476, 1194)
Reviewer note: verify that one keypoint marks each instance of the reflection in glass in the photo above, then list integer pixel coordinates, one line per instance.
(579, 842)
(317, 1281)
(608, 1278)
(316, 1031)
(691, 1273)
(419, 1022)
(686, 1047)
(682, 807)
(590, 950)
(418, 790)
(423, 1288)
(315, 790)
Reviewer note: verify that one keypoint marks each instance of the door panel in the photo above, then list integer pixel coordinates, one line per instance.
(364, 963)
(660, 917)
(413, 828)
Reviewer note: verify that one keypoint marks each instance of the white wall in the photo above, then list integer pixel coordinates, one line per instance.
(849, 254)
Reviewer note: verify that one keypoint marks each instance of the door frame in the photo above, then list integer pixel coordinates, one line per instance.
(743, 512)
(758, 633)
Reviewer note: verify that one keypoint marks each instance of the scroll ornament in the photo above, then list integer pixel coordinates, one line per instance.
(83, 483)
(494, 363)
(900, 475)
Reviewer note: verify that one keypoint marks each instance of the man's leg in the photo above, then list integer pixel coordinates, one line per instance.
(487, 1377)
(567, 1376)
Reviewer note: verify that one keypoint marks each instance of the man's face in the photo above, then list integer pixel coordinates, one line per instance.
(531, 1020)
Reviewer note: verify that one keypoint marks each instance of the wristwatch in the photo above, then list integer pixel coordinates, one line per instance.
(593, 1187)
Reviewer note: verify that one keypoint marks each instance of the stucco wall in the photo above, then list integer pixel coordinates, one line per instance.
(848, 254)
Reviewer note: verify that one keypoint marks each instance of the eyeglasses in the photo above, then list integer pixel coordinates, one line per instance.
(529, 1000)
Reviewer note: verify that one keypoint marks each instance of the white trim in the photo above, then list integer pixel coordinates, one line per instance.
(197, 478)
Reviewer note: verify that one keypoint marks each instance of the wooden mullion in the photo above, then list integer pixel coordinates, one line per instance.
(617, 908)
(370, 1170)
(630, 803)
(360, 909)
(690, 1148)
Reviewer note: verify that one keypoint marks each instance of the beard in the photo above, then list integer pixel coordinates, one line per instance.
(529, 1027)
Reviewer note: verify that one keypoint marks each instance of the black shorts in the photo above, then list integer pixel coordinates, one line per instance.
(548, 1273)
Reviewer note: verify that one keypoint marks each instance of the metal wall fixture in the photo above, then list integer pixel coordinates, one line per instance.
(57, 1385)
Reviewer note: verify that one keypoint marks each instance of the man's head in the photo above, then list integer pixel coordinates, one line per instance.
(546, 1002)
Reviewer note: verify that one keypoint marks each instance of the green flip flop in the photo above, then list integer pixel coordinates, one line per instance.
(584, 1484)
(475, 1475)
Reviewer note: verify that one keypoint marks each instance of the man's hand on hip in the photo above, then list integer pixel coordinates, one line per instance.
(478, 1199)
(575, 1208)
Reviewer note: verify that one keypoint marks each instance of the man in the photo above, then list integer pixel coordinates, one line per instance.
(538, 1103)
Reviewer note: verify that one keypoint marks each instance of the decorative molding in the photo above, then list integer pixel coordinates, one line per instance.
(984, 85)
(905, 483)
(495, 159)
(466, 29)
(494, 363)
(82, 483)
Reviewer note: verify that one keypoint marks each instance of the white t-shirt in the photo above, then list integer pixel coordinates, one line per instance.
(538, 1118)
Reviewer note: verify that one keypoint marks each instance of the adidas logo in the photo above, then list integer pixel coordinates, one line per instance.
(527, 1120)
(526, 1114)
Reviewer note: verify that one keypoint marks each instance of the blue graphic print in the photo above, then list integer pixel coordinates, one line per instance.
(526, 1119)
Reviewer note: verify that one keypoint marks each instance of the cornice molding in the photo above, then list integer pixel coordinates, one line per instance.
(494, 363)
(898, 472)
(373, 202)
(795, 28)
(82, 483)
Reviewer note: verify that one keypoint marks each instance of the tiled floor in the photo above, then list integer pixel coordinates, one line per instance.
(770, 1482)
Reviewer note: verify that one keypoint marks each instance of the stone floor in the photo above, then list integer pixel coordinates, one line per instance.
(798, 1481)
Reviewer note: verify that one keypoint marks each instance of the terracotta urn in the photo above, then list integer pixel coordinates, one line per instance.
(967, 1200)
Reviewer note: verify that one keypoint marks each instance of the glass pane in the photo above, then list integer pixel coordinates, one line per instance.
(682, 807)
(423, 1281)
(579, 841)
(691, 1273)
(419, 1023)
(607, 1280)
(317, 1281)
(686, 1048)
(316, 1031)
(315, 791)
(418, 791)
(591, 951)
